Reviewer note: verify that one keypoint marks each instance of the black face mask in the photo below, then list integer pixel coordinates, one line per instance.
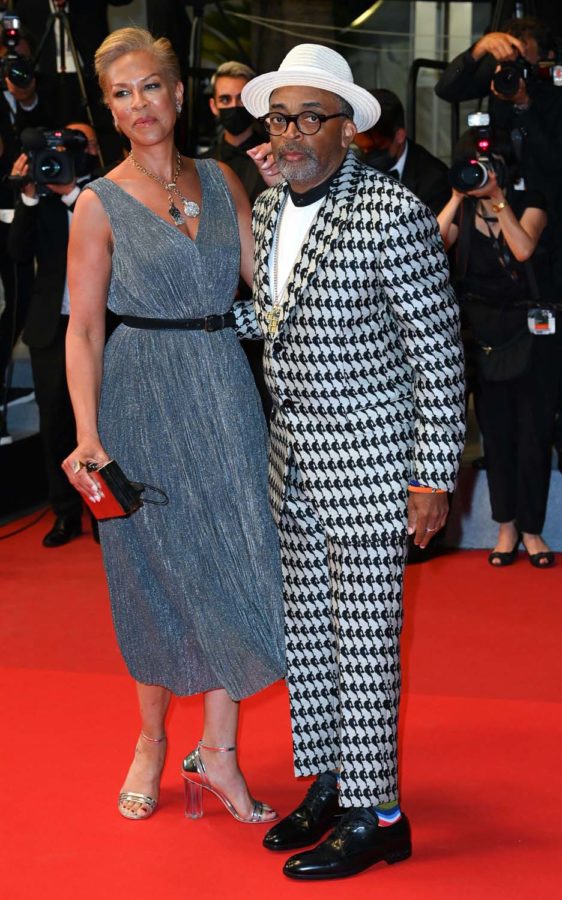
(235, 119)
(381, 160)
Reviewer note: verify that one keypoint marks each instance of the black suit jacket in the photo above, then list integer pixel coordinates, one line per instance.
(40, 233)
(426, 177)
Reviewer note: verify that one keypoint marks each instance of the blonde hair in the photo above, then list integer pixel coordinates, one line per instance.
(127, 40)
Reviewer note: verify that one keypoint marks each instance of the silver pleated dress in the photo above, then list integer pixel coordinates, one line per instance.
(195, 586)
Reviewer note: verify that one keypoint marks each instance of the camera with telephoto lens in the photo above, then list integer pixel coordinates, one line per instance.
(52, 155)
(506, 80)
(472, 174)
(13, 65)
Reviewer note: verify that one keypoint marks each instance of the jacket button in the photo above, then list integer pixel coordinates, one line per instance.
(277, 347)
(288, 404)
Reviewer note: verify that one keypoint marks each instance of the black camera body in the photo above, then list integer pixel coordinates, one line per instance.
(473, 174)
(17, 68)
(52, 154)
(506, 80)
(14, 66)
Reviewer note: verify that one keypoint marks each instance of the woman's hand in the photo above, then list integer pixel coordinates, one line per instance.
(263, 157)
(74, 467)
(491, 190)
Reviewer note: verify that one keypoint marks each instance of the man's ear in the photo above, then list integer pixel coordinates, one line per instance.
(349, 130)
(400, 136)
(213, 106)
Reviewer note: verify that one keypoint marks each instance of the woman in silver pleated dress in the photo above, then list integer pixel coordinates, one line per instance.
(195, 586)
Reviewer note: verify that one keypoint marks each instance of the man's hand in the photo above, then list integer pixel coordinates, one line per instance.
(267, 167)
(503, 47)
(427, 514)
(20, 169)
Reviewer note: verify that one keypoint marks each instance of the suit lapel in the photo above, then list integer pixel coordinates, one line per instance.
(324, 231)
(264, 230)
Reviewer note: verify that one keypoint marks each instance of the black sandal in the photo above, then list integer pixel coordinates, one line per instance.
(499, 559)
(536, 559)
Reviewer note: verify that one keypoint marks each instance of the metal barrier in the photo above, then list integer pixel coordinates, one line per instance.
(411, 98)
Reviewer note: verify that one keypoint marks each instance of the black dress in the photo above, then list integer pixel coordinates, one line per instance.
(516, 416)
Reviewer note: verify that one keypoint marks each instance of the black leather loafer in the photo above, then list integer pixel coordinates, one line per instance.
(356, 843)
(64, 530)
(318, 812)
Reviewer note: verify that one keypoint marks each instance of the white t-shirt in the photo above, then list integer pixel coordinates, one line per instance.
(292, 230)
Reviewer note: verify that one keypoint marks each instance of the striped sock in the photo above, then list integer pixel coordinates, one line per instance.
(388, 813)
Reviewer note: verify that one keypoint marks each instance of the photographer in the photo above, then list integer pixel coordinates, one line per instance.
(529, 108)
(88, 25)
(497, 230)
(23, 104)
(39, 234)
(469, 76)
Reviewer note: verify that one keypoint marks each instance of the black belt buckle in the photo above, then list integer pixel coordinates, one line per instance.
(213, 323)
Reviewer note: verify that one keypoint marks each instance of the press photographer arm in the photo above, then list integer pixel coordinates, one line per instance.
(502, 46)
(22, 237)
(469, 75)
(521, 236)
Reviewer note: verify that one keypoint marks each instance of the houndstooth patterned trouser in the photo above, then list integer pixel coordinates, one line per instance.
(343, 607)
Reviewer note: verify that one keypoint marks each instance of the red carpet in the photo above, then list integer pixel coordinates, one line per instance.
(481, 739)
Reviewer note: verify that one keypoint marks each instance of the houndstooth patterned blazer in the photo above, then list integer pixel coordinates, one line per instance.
(366, 369)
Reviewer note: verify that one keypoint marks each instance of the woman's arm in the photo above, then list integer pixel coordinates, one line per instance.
(244, 212)
(89, 271)
(449, 231)
(521, 236)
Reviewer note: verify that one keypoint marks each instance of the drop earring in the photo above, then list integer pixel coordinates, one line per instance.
(178, 107)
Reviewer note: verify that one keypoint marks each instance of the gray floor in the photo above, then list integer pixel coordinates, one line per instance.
(22, 419)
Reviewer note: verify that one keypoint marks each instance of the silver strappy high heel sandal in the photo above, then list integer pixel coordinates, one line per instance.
(148, 803)
(196, 781)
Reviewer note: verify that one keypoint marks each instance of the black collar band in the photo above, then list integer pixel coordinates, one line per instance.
(315, 193)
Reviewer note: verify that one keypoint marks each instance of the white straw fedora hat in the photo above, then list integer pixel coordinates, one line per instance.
(313, 65)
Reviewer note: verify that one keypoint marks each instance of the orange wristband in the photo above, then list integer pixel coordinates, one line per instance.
(418, 489)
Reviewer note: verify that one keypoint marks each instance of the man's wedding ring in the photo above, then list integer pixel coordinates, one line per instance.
(431, 529)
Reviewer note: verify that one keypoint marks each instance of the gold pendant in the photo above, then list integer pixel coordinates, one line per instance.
(273, 318)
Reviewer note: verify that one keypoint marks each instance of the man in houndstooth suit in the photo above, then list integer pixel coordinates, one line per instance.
(364, 363)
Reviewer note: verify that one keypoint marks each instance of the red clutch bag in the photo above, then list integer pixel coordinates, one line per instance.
(121, 497)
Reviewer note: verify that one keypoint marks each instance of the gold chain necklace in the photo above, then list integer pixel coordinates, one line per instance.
(273, 317)
(190, 207)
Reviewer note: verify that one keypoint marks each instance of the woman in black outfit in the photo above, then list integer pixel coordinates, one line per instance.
(515, 406)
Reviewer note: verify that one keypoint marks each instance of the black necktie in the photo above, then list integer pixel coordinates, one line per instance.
(394, 173)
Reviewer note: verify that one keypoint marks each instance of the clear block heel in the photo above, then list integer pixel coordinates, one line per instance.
(196, 781)
(193, 799)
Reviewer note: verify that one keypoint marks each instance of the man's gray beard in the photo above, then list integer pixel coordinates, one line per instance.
(294, 172)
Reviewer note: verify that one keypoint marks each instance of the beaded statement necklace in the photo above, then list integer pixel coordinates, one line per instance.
(190, 207)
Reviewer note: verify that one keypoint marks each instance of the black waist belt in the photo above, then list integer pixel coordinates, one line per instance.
(209, 323)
